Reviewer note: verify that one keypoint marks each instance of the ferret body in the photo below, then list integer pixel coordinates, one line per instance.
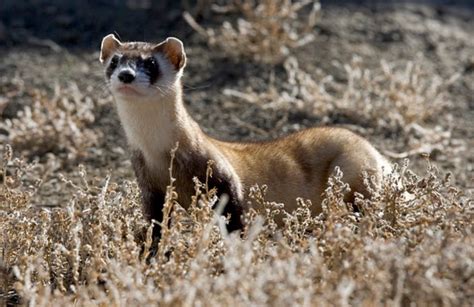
(145, 82)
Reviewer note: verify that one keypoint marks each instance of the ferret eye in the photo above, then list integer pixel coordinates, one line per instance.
(114, 62)
(150, 64)
(151, 69)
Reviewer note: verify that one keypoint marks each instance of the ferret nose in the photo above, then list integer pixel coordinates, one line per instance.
(126, 76)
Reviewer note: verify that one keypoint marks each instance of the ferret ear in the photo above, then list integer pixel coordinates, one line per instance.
(109, 44)
(173, 49)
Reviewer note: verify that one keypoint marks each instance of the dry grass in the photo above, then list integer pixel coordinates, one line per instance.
(94, 249)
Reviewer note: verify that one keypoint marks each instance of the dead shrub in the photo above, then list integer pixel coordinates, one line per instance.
(397, 99)
(398, 250)
(59, 124)
(396, 95)
(263, 30)
(391, 97)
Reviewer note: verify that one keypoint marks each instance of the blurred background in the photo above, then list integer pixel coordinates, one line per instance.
(401, 73)
(83, 23)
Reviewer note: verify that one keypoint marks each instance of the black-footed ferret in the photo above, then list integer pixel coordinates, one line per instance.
(145, 80)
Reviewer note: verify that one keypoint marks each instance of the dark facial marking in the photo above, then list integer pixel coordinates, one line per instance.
(150, 67)
(112, 66)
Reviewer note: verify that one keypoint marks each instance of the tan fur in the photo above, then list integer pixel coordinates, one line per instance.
(300, 164)
(294, 166)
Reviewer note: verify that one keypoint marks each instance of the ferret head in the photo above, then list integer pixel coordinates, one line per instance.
(139, 69)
